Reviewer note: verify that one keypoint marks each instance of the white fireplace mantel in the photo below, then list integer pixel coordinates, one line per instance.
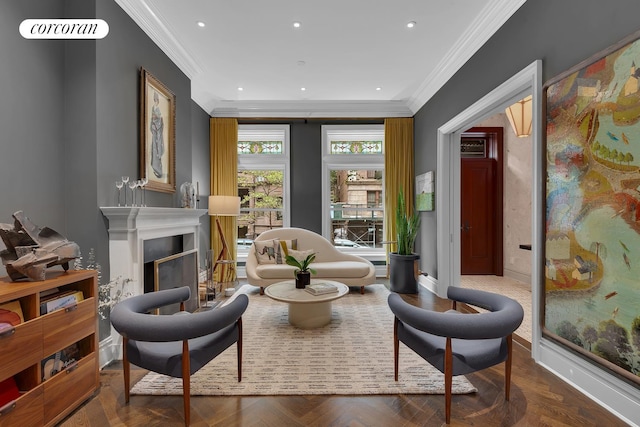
(129, 227)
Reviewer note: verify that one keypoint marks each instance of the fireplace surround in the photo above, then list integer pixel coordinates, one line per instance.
(129, 229)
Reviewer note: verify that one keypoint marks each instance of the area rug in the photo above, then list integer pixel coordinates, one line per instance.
(353, 355)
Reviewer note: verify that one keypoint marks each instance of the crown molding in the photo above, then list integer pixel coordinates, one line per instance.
(153, 25)
(492, 17)
(311, 109)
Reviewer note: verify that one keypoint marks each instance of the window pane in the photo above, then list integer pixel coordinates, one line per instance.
(261, 195)
(357, 210)
(356, 147)
(260, 147)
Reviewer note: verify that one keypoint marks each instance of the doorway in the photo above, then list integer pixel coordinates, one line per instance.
(527, 81)
(481, 196)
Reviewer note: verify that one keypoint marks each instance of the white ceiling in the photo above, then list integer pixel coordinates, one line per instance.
(342, 52)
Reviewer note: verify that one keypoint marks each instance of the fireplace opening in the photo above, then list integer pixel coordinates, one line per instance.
(176, 271)
(167, 265)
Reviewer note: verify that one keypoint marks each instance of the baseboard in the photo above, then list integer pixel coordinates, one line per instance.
(429, 282)
(105, 352)
(520, 277)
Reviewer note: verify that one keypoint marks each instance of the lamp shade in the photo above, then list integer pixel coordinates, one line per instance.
(224, 205)
(520, 117)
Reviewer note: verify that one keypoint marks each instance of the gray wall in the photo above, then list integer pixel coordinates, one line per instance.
(200, 167)
(561, 33)
(32, 153)
(69, 119)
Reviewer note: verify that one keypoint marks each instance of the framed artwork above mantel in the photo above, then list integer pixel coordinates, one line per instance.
(157, 134)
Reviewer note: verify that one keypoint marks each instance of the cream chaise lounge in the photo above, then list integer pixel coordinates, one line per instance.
(330, 263)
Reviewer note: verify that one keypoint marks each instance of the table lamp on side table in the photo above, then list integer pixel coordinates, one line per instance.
(223, 206)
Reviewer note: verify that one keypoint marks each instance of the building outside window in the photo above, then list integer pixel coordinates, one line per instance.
(353, 173)
(263, 181)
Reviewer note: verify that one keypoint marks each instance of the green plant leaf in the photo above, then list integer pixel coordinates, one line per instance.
(406, 227)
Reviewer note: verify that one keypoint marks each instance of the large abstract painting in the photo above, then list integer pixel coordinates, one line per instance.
(592, 248)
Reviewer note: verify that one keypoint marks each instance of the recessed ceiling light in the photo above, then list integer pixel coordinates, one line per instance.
(303, 89)
(240, 89)
(378, 88)
(296, 24)
(411, 24)
(201, 24)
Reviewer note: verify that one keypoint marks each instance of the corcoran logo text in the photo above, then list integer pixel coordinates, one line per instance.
(64, 28)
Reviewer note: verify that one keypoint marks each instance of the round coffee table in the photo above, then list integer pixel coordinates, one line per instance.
(306, 310)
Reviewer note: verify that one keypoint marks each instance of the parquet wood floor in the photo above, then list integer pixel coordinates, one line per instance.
(538, 398)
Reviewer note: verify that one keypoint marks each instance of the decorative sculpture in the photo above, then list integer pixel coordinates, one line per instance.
(187, 195)
(30, 249)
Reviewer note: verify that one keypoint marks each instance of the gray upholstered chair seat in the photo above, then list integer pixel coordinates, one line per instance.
(468, 356)
(458, 343)
(166, 357)
(176, 345)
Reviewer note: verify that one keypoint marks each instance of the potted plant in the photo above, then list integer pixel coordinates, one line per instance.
(402, 268)
(303, 272)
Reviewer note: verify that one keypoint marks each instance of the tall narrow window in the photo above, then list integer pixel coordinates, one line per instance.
(353, 171)
(263, 181)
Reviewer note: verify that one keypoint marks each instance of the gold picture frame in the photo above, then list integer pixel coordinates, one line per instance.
(157, 134)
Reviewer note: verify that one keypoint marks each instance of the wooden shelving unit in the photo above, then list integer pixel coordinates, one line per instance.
(40, 336)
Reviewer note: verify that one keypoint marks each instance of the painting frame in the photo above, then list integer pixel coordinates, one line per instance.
(591, 129)
(157, 134)
(425, 192)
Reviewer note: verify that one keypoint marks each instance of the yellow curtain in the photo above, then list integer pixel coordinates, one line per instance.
(398, 172)
(224, 181)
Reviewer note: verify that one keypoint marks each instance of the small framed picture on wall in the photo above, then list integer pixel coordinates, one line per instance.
(157, 134)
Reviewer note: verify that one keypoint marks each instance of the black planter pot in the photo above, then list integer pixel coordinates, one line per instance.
(303, 279)
(403, 273)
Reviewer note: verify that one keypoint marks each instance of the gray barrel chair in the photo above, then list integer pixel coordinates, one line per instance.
(459, 343)
(176, 345)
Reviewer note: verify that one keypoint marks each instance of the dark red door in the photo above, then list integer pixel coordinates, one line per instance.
(477, 217)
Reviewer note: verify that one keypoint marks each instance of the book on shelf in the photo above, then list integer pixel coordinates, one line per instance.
(60, 300)
(8, 391)
(321, 288)
(59, 361)
(11, 313)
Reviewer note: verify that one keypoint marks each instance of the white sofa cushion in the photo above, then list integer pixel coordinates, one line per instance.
(340, 269)
(330, 263)
(325, 270)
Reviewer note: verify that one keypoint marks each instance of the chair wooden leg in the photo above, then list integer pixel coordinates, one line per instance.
(261, 290)
(239, 347)
(126, 369)
(186, 382)
(362, 290)
(448, 379)
(396, 347)
(507, 368)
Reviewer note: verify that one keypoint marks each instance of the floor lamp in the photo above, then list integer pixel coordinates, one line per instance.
(223, 206)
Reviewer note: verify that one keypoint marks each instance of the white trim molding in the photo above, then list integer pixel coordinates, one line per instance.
(607, 390)
(150, 21)
(311, 109)
(492, 17)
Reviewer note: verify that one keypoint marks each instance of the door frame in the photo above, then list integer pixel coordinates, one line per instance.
(528, 81)
(495, 151)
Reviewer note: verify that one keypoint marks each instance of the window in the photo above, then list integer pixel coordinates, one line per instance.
(263, 181)
(352, 182)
